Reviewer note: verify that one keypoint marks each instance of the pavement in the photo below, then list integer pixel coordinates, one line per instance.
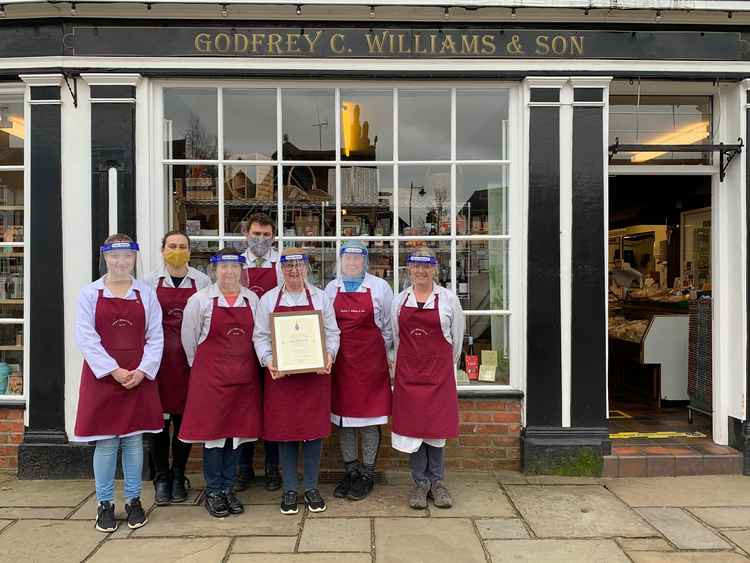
(497, 517)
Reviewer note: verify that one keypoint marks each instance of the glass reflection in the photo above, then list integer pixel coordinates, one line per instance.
(481, 124)
(424, 124)
(249, 124)
(308, 123)
(366, 125)
(191, 123)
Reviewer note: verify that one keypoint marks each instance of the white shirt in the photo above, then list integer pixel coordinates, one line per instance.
(89, 341)
(452, 322)
(196, 318)
(320, 302)
(381, 295)
(201, 279)
(270, 259)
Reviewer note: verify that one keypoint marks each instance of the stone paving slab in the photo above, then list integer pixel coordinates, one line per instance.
(302, 558)
(4, 524)
(264, 544)
(644, 544)
(704, 490)
(44, 493)
(62, 541)
(741, 538)
(168, 521)
(256, 494)
(475, 498)
(411, 540)
(563, 551)
(184, 550)
(502, 529)
(507, 477)
(686, 557)
(724, 517)
(384, 500)
(682, 529)
(336, 534)
(576, 511)
(20, 513)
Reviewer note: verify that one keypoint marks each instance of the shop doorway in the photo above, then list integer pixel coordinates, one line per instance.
(660, 311)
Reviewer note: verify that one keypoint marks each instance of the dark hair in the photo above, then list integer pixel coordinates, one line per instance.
(262, 219)
(117, 237)
(175, 232)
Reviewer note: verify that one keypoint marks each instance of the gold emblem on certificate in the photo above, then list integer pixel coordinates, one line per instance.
(298, 341)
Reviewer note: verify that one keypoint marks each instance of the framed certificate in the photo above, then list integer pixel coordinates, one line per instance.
(298, 341)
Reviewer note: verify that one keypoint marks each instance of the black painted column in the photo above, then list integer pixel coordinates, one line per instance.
(112, 146)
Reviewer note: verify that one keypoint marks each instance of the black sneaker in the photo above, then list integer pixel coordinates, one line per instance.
(216, 504)
(136, 514)
(342, 489)
(361, 487)
(314, 501)
(244, 481)
(180, 485)
(105, 517)
(233, 503)
(289, 503)
(273, 478)
(162, 489)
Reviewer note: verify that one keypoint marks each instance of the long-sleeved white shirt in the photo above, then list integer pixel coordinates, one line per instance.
(196, 318)
(89, 341)
(201, 279)
(320, 302)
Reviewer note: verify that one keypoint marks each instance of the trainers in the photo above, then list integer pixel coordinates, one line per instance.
(314, 501)
(105, 517)
(233, 503)
(289, 503)
(162, 489)
(243, 482)
(180, 485)
(440, 495)
(342, 489)
(361, 487)
(216, 504)
(136, 514)
(418, 498)
(273, 478)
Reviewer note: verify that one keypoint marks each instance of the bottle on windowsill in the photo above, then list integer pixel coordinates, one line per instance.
(471, 361)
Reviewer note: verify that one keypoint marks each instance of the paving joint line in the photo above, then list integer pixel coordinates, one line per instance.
(70, 514)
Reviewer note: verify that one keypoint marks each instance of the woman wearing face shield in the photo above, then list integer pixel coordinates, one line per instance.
(428, 331)
(174, 282)
(361, 398)
(119, 332)
(296, 408)
(223, 408)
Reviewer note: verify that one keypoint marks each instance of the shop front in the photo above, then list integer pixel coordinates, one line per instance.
(488, 142)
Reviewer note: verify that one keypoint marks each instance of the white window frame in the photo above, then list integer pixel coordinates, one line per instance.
(21, 91)
(517, 196)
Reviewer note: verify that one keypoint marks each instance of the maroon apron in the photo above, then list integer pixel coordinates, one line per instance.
(296, 407)
(360, 389)
(260, 280)
(174, 371)
(425, 401)
(105, 407)
(224, 397)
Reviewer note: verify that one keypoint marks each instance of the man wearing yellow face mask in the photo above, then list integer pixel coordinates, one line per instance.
(174, 283)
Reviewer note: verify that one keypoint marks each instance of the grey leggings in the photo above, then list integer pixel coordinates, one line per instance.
(370, 444)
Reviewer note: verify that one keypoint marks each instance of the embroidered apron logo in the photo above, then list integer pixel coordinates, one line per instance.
(121, 323)
(418, 332)
(236, 331)
(176, 312)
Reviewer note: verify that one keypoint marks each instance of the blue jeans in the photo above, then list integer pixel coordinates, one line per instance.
(289, 453)
(105, 464)
(220, 467)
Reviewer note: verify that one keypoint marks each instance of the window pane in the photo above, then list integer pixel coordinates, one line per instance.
(490, 334)
(308, 124)
(441, 248)
(482, 274)
(309, 200)
(481, 124)
(367, 201)
(380, 260)
(424, 193)
(366, 125)
(249, 124)
(190, 123)
(195, 204)
(11, 283)
(322, 261)
(12, 129)
(11, 206)
(200, 253)
(11, 352)
(424, 124)
(248, 190)
(482, 200)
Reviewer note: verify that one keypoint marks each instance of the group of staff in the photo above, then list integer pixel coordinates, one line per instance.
(189, 358)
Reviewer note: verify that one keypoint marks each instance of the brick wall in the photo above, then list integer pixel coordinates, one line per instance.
(489, 439)
(11, 434)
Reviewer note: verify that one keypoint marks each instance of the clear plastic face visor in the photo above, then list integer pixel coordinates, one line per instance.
(354, 262)
(226, 269)
(420, 266)
(119, 260)
(294, 266)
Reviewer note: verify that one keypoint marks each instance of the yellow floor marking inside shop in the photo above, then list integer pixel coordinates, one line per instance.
(619, 414)
(655, 435)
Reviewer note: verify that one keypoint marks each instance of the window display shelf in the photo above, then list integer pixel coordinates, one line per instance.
(11, 301)
(10, 347)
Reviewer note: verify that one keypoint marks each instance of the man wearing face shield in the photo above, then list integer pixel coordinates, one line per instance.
(361, 398)
(262, 273)
(223, 408)
(174, 282)
(119, 333)
(296, 408)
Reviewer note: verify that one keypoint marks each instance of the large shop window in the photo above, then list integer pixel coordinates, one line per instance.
(12, 194)
(397, 167)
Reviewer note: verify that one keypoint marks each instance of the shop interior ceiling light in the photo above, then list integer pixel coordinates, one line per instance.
(224, 11)
(446, 13)
(73, 10)
(513, 13)
(658, 15)
(299, 10)
(687, 135)
(372, 11)
(2, 11)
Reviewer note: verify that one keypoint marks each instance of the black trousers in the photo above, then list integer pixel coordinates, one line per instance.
(162, 443)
